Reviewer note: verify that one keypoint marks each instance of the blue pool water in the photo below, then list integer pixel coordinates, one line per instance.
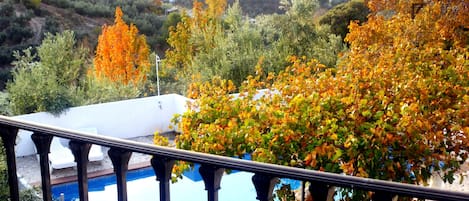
(142, 186)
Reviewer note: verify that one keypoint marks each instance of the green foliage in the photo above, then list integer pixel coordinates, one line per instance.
(142, 13)
(101, 91)
(340, 16)
(48, 84)
(237, 51)
(168, 83)
(32, 3)
(171, 21)
(30, 194)
(203, 47)
(14, 32)
(52, 25)
(5, 75)
(4, 189)
(84, 7)
(295, 33)
(6, 53)
(4, 104)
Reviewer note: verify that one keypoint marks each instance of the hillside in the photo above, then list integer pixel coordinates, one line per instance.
(24, 26)
(30, 25)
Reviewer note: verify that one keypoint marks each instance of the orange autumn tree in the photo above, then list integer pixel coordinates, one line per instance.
(396, 107)
(122, 54)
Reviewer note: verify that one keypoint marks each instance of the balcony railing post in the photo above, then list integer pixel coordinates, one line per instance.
(383, 196)
(120, 160)
(42, 142)
(81, 150)
(212, 177)
(8, 135)
(319, 191)
(163, 168)
(264, 185)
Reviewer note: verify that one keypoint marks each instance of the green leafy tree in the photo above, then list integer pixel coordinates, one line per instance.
(50, 83)
(237, 49)
(339, 17)
(192, 36)
(205, 45)
(296, 33)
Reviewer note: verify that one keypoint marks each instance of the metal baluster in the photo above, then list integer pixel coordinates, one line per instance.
(303, 186)
(120, 160)
(163, 167)
(42, 142)
(8, 135)
(80, 150)
(212, 177)
(318, 190)
(382, 196)
(264, 185)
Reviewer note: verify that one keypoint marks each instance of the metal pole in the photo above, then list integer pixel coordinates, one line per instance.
(157, 76)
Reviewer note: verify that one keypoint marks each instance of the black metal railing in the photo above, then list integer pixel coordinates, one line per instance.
(212, 167)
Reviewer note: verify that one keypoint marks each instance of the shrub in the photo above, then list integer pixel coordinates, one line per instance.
(50, 84)
(340, 16)
(396, 107)
(4, 189)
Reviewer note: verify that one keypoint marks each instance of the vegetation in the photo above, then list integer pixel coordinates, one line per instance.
(223, 43)
(395, 108)
(50, 84)
(4, 189)
(59, 77)
(122, 55)
(54, 75)
(341, 15)
(14, 33)
(145, 14)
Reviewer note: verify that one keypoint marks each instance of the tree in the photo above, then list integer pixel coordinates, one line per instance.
(194, 35)
(50, 83)
(179, 56)
(296, 33)
(339, 17)
(207, 45)
(235, 51)
(122, 55)
(396, 108)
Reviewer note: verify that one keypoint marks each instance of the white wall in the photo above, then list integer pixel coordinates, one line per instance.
(122, 119)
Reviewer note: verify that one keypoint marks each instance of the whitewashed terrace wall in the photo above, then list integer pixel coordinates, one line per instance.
(121, 119)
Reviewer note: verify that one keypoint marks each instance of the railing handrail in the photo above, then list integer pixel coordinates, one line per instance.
(240, 164)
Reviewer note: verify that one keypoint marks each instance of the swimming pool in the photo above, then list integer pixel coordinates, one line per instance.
(142, 186)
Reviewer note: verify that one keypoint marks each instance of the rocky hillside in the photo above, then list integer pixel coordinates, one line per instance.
(22, 27)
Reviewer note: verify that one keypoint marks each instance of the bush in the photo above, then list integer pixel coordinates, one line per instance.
(395, 108)
(4, 104)
(17, 33)
(5, 76)
(4, 189)
(50, 84)
(3, 37)
(6, 10)
(340, 16)
(6, 53)
(52, 25)
(30, 194)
